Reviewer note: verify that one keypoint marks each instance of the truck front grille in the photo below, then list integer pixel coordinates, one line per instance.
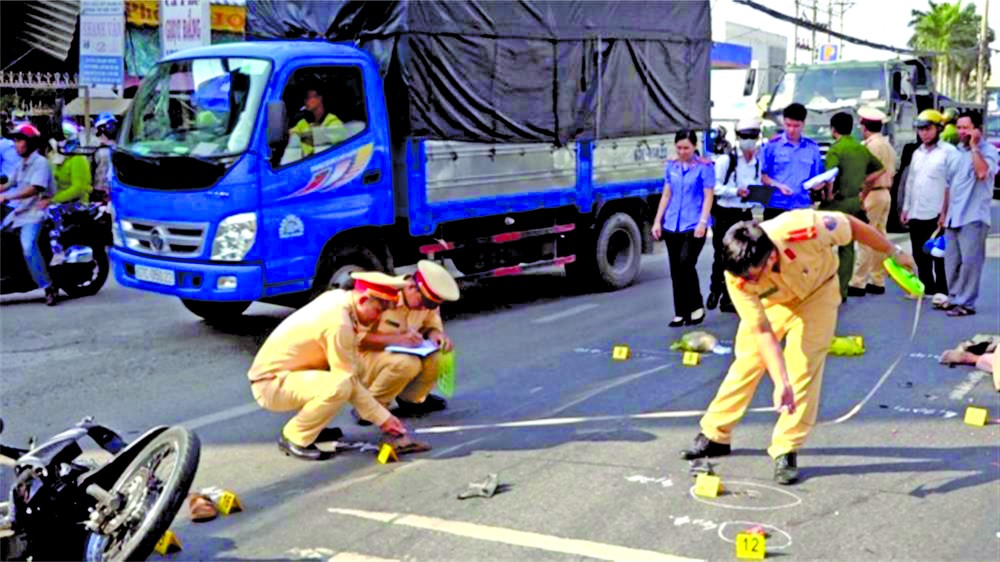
(171, 239)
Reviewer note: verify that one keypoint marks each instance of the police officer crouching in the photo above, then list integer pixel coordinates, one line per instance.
(408, 379)
(309, 364)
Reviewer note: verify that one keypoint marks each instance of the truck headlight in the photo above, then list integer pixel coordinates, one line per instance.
(116, 234)
(234, 237)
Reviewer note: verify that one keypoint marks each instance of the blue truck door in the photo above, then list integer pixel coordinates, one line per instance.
(334, 173)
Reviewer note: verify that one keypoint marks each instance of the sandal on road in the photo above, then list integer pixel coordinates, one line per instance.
(961, 311)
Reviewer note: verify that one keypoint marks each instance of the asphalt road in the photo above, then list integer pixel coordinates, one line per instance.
(903, 479)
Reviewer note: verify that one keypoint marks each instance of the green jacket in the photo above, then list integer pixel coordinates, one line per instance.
(72, 178)
(855, 163)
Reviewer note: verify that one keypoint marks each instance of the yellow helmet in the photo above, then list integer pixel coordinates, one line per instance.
(929, 117)
(949, 114)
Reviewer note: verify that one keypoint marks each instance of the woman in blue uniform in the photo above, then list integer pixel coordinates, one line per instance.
(682, 219)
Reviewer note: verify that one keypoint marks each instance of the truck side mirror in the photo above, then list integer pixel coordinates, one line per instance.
(277, 123)
(897, 85)
(750, 81)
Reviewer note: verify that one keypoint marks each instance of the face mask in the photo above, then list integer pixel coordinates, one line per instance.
(748, 144)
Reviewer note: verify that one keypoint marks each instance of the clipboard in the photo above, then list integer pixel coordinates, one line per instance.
(759, 194)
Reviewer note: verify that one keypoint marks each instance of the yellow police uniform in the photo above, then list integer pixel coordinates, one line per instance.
(388, 375)
(799, 300)
(876, 204)
(410, 378)
(309, 363)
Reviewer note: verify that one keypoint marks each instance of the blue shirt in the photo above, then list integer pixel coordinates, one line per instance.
(9, 158)
(688, 183)
(968, 197)
(791, 164)
(32, 171)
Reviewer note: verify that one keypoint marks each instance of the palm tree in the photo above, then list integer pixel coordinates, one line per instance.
(952, 30)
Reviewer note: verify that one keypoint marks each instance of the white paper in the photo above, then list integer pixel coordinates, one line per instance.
(423, 350)
(826, 176)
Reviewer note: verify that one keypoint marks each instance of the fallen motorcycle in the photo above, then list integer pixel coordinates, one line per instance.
(62, 507)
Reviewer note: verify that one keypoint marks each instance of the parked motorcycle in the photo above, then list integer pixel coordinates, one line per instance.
(86, 232)
(62, 507)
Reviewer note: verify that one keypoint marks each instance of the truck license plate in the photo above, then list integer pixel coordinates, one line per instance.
(154, 275)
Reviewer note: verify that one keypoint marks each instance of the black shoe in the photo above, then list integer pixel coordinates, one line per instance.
(705, 447)
(360, 420)
(695, 321)
(330, 434)
(786, 469)
(856, 292)
(677, 322)
(874, 289)
(310, 453)
(430, 404)
(713, 300)
(50, 296)
(727, 306)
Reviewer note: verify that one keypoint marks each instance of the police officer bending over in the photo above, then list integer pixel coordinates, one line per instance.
(782, 277)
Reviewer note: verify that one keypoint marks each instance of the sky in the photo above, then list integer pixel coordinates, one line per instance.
(881, 21)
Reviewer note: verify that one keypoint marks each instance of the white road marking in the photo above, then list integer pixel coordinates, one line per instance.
(224, 415)
(355, 557)
(608, 386)
(565, 313)
(576, 547)
(547, 422)
(966, 386)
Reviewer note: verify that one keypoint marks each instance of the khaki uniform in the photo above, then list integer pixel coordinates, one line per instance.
(308, 364)
(876, 207)
(799, 301)
(389, 375)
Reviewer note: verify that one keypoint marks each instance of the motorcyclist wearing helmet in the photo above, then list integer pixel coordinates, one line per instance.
(924, 199)
(107, 132)
(30, 187)
(73, 182)
(9, 158)
(950, 131)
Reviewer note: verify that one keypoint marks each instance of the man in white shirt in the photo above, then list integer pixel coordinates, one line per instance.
(924, 200)
(735, 172)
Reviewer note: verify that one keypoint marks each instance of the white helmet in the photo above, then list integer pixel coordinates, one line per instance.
(748, 124)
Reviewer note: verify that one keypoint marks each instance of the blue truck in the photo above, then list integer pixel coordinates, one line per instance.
(226, 193)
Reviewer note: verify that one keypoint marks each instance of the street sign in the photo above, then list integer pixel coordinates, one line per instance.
(184, 24)
(829, 53)
(102, 43)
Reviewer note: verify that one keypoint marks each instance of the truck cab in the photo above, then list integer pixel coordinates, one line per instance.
(212, 186)
(899, 88)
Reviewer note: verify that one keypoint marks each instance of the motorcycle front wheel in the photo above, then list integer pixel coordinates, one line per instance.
(152, 488)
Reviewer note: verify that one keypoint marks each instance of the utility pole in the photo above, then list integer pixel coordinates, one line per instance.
(795, 47)
(829, 27)
(981, 68)
(814, 19)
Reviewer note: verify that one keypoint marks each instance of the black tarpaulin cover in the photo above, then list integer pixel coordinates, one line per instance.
(525, 71)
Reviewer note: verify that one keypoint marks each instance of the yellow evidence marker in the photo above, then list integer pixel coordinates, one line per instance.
(621, 353)
(387, 454)
(169, 544)
(751, 546)
(707, 486)
(976, 416)
(229, 503)
(691, 358)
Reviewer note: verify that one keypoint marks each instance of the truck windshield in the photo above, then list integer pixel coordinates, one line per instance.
(200, 108)
(830, 88)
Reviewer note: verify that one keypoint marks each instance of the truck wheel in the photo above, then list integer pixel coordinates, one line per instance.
(216, 312)
(610, 260)
(335, 273)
